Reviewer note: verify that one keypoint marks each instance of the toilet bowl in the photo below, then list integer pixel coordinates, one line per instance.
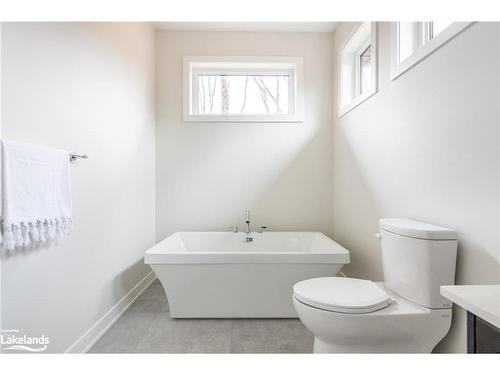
(398, 327)
(403, 314)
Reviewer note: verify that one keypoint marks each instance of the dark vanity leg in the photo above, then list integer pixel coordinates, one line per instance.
(471, 333)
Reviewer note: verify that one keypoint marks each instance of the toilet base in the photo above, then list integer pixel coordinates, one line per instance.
(402, 327)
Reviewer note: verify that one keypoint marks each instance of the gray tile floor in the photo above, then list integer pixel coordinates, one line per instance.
(146, 327)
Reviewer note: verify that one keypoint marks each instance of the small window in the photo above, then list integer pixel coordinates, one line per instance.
(242, 89)
(357, 76)
(413, 41)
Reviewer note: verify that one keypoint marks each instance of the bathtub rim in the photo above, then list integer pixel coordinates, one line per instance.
(337, 255)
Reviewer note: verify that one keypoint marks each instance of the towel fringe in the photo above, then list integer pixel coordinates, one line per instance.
(25, 233)
(34, 234)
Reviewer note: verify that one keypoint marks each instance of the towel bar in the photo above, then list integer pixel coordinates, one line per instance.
(73, 157)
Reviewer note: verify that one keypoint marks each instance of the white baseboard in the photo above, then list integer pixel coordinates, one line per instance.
(94, 333)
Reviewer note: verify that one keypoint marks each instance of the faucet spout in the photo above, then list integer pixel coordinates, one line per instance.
(248, 229)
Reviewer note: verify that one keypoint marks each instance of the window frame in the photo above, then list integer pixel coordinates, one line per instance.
(427, 32)
(193, 66)
(359, 98)
(425, 46)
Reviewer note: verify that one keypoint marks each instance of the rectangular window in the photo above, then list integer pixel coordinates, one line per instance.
(413, 41)
(357, 74)
(242, 89)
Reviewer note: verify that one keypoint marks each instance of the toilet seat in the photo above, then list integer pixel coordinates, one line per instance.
(342, 294)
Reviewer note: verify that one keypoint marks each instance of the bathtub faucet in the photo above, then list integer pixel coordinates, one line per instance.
(248, 230)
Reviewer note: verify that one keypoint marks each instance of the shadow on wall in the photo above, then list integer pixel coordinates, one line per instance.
(353, 218)
(283, 175)
(128, 279)
(305, 183)
(472, 253)
(365, 214)
(26, 250)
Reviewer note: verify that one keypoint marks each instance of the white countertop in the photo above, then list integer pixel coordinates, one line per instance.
(481, 300)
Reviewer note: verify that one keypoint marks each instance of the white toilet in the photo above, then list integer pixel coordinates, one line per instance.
(403, 314)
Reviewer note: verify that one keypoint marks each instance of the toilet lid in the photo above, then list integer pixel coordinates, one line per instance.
(342, 294)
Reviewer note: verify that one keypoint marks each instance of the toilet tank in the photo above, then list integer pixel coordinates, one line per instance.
(417, 259)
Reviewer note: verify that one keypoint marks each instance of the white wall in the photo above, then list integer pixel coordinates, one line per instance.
(426, 147)
(209, 174)
(86, 88)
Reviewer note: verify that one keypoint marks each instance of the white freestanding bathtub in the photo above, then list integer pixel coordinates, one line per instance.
(217, 275)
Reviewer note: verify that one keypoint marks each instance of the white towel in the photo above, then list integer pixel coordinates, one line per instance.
(36, 194)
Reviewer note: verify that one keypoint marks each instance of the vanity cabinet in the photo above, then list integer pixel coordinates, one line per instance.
(482, 337)
(482, 303)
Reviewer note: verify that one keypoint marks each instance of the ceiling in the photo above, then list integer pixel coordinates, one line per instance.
(249, 26)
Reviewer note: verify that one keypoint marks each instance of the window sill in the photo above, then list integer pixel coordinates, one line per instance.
(244, 118)
(356, 102)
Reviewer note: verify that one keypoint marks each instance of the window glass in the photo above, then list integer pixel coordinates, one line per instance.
(436, 27)
(243, 94)
(365, 69)
(408, 39)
